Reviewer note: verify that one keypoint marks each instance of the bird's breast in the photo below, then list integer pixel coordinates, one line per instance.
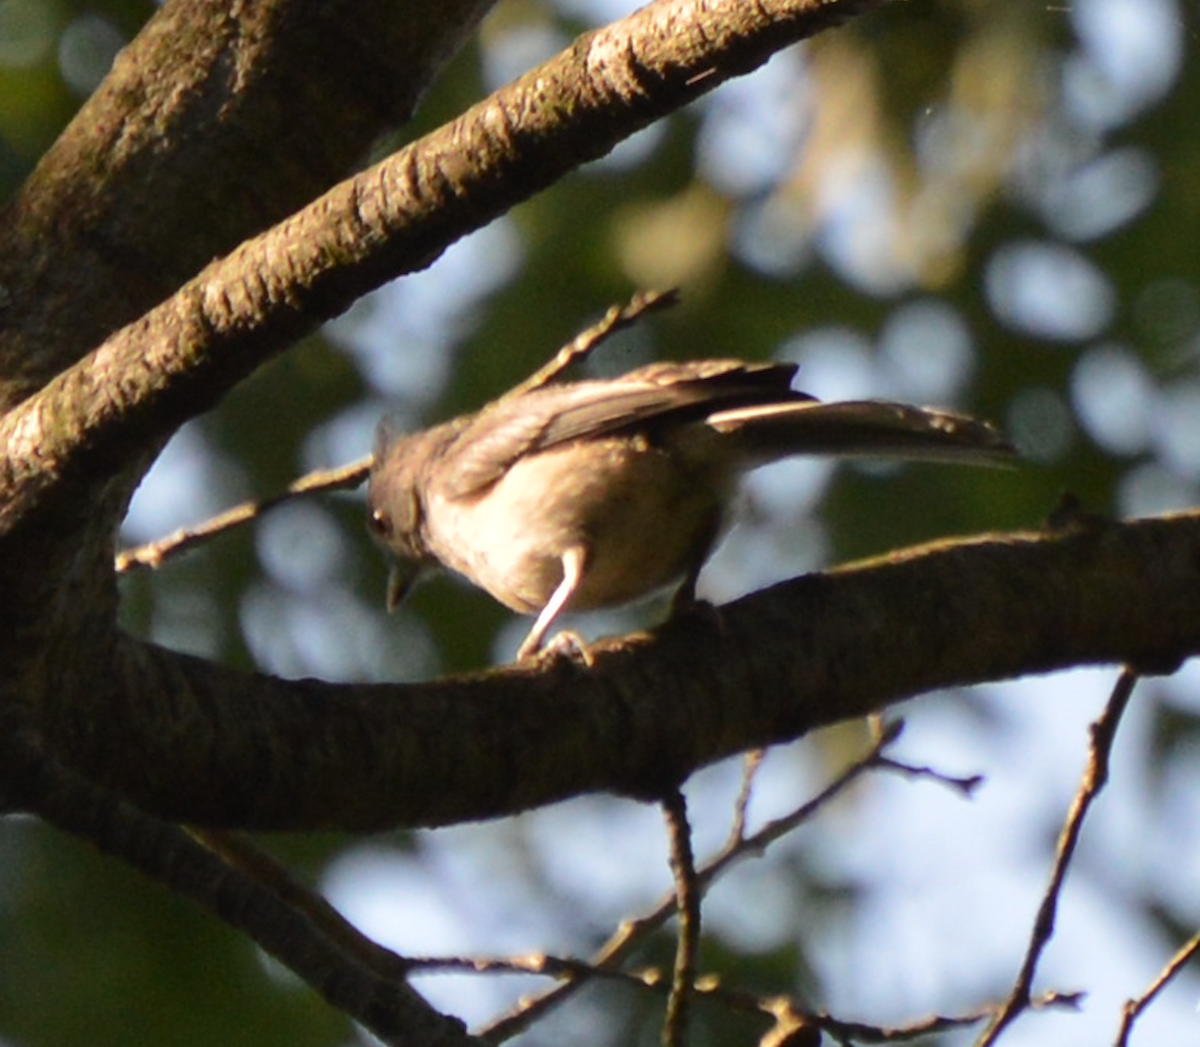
(638, 512)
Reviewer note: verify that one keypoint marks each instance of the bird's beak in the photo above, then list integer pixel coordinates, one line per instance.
(402, 576)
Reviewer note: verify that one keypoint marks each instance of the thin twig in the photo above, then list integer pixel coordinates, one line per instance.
(584, 343)
(751, 762)
(783, 1009)
(687, 895)
(1133, 1008)
(631, 932)
(1095, 775)
(965, 785)
(154, 554)
(859, 1032)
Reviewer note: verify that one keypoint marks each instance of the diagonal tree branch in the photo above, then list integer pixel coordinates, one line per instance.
(1103, 733)
(111, 222)
(1134, 1008)
(98, 418)
(155, 554)
(382, 1002)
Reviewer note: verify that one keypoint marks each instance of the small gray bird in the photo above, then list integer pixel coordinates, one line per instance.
(593, 493)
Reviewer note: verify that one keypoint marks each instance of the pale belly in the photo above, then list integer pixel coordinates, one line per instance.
(641, 520)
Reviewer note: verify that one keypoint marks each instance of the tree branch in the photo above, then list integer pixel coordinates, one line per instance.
(633, 932)
(216, 747)
(1095, 776)
(111, 222)
(687, 897)
(1133, 1008)
(98, 418)
(155, 554)
(382, 1002)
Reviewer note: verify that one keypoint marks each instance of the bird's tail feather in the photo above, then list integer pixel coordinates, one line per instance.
(869, 428)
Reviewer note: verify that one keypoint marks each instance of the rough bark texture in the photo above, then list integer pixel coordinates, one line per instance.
(227, 749)
(76, 448)
(237, 750)
(216, 122)
(191, 147)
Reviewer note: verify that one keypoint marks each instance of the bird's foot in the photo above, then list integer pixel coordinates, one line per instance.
(565, 644)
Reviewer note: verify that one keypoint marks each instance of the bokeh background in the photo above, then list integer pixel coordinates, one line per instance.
(986, 204)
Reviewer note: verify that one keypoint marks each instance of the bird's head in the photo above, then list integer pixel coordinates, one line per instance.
(394, 512)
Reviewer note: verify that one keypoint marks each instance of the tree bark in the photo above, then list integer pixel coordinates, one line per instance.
(221, 748)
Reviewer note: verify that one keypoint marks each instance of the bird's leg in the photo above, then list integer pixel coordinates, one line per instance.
(573, 561)
(685, 595)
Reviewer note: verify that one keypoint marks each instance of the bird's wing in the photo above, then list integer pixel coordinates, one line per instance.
(557, 414)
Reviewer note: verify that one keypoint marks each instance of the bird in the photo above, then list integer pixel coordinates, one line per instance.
(593, 493)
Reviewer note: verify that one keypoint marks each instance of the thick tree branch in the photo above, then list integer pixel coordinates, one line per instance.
(190, 145)
(223, 748)
(111, 222)
(99, 417)
(382, 1002)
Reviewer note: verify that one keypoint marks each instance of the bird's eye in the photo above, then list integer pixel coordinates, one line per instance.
(379, 523)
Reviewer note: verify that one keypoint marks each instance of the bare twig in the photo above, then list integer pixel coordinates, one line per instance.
(965, 785)
(631, 932)
(687, 895)
(858, 1032)
(584, 343)
(1095, 775)
(154, 554)
(751, 762)
(789, 1019)
(1133, 1008)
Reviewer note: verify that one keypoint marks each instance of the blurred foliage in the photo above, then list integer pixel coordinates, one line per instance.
(991, 203)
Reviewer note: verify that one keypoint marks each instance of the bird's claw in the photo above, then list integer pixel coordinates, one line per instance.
(564, 644)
